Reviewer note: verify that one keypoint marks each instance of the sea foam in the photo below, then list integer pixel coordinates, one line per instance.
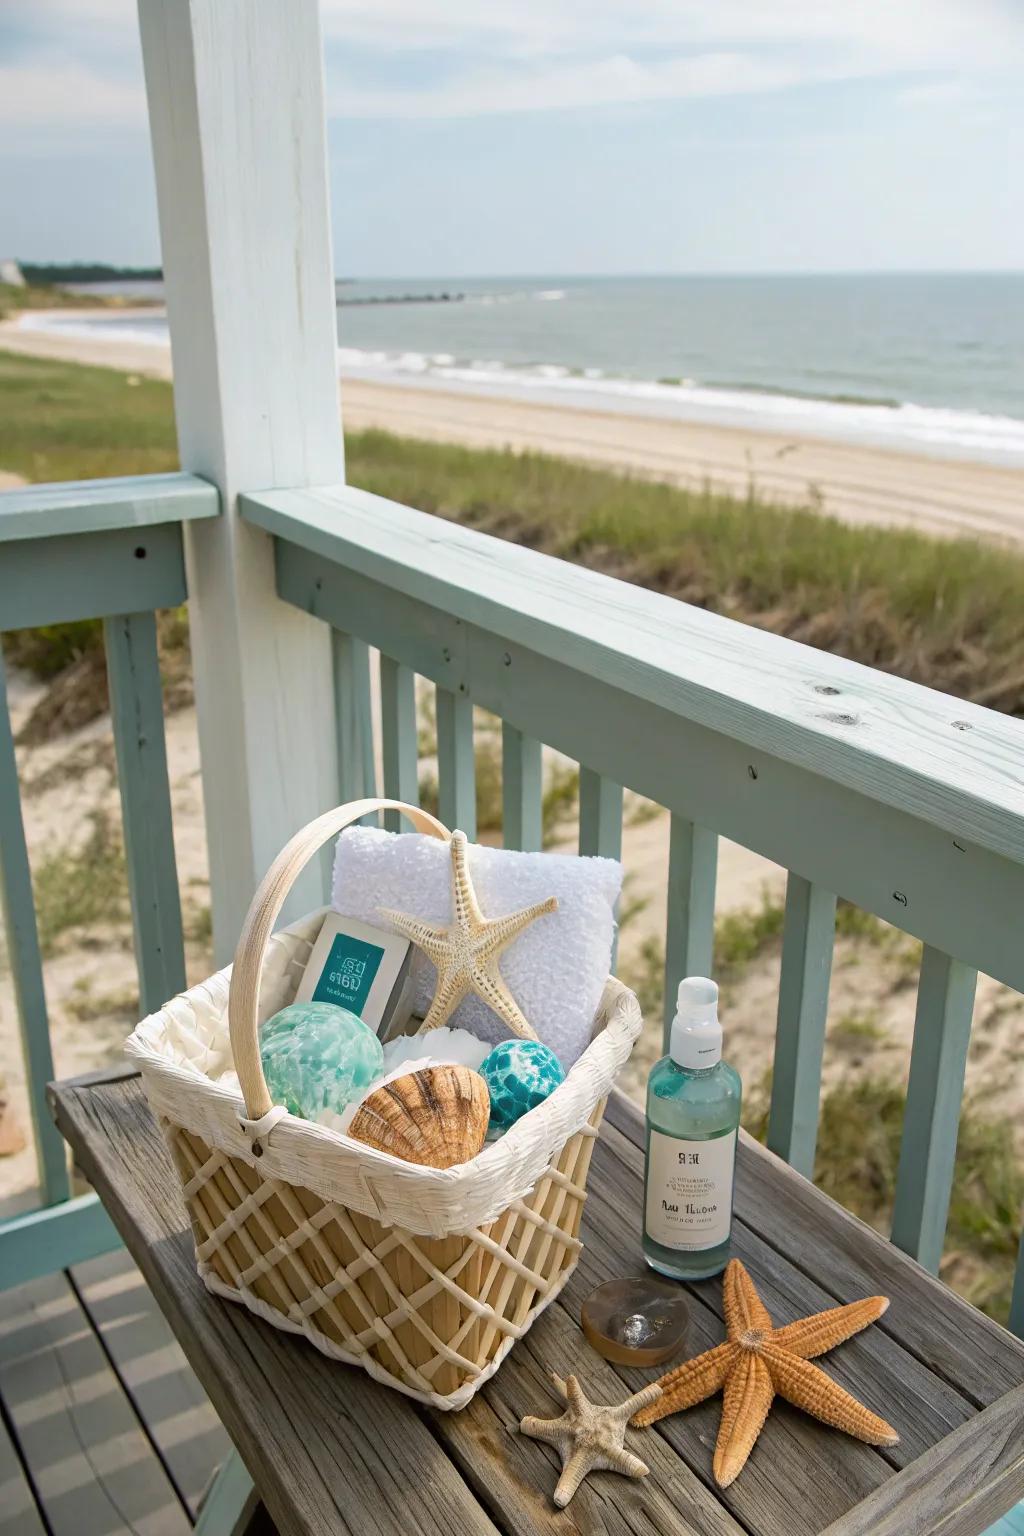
(903, 425)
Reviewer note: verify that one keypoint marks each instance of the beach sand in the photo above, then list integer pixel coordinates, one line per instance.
(858, 483)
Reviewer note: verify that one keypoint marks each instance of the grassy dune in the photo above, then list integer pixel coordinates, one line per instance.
(939, 612)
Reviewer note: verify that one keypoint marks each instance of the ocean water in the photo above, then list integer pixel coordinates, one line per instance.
(933, 363)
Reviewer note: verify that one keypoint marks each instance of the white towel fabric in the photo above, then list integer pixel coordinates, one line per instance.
(555, 970)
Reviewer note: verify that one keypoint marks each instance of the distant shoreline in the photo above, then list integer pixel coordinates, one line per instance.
(855, 482)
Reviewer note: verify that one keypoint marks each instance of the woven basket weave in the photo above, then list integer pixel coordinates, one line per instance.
(424, 1277)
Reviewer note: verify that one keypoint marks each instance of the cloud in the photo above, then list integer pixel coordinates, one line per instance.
(75, 63)
(608, 81)
(38, 95)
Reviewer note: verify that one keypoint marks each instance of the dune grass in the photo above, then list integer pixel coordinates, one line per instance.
(945, 613)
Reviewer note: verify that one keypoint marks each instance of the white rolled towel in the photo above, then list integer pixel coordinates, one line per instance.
(555, 969)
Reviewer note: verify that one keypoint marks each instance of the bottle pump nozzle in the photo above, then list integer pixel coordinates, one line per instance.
(696, 1038)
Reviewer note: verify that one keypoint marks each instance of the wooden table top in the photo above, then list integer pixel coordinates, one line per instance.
(331, 1451)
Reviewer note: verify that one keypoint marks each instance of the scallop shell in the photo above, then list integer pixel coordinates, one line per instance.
(436, 1117)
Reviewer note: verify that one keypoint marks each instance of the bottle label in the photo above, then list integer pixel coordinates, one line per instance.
(689, 1191)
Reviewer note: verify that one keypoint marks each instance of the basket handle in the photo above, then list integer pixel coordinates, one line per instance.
(244, 994)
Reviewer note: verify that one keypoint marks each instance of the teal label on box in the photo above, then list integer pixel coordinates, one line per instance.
(348, 973)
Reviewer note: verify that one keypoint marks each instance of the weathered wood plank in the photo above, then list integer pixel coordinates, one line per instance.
(895, 742)
(93, 1468)
(690, 924)
(154, 1373)
(874, 1366)
(779, 1489)
(807, 943)
(518, 1483)
(25, 962)
(522, 790)
(938, 1059)
(325, 1443)
(398, 737)
(782, 1488)
(93, 506)
(956, 1489)
(955, 1341)
(928, 879)
(456, 764)
(136, 708)
(18, 1513)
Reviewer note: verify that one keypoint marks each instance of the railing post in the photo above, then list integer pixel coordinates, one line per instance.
(136, 710)
(456, 762)
(522, 790)
(807, 942)
(690, 917)
(398, 737)
(19, 914)
(236, 112)
(938, 1058)
(1016, 1323)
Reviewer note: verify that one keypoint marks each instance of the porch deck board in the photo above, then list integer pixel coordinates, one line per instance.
(18, 1513)
(331, 1449)
(85, 1356)
(162, 1387)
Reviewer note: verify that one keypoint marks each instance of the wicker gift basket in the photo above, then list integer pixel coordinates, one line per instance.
(424, 1277)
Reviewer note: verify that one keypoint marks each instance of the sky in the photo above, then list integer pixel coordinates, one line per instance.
(573, 136)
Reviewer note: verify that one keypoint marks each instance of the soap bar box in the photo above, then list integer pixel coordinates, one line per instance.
(358, 967)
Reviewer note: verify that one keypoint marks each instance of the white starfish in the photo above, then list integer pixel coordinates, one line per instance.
(589, 1436)
(466, 952)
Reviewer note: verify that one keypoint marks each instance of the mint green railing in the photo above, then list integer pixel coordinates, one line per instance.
(906, 802)
(903, 801)
(109, 550)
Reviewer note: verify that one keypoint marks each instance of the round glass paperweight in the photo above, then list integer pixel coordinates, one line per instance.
(636, 1322)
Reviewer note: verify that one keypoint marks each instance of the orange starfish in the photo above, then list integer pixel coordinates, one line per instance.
(759, 1360)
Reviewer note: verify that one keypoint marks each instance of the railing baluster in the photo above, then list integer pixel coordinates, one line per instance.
(942, 1032)
(522, 790)
(456, 766)
(398, 737)
(601, 823)
(357, 776)
(807, 942)
(26, 964)
(690, 922)
(136, 710)
(600, 815)
(1016, 1323)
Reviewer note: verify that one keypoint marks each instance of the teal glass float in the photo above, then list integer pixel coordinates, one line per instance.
(318, 1056)
(520, 1074)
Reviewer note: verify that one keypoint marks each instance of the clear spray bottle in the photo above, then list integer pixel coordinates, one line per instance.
(693, 1117)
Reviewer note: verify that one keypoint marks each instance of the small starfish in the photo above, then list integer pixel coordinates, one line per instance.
(589, 1437)
(466, 952)
(759, 1360)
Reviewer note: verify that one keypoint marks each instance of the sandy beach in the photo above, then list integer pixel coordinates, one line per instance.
(858, 483)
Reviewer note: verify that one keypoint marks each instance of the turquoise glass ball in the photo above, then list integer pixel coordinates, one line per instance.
(318, 1056)
(520, 1074)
